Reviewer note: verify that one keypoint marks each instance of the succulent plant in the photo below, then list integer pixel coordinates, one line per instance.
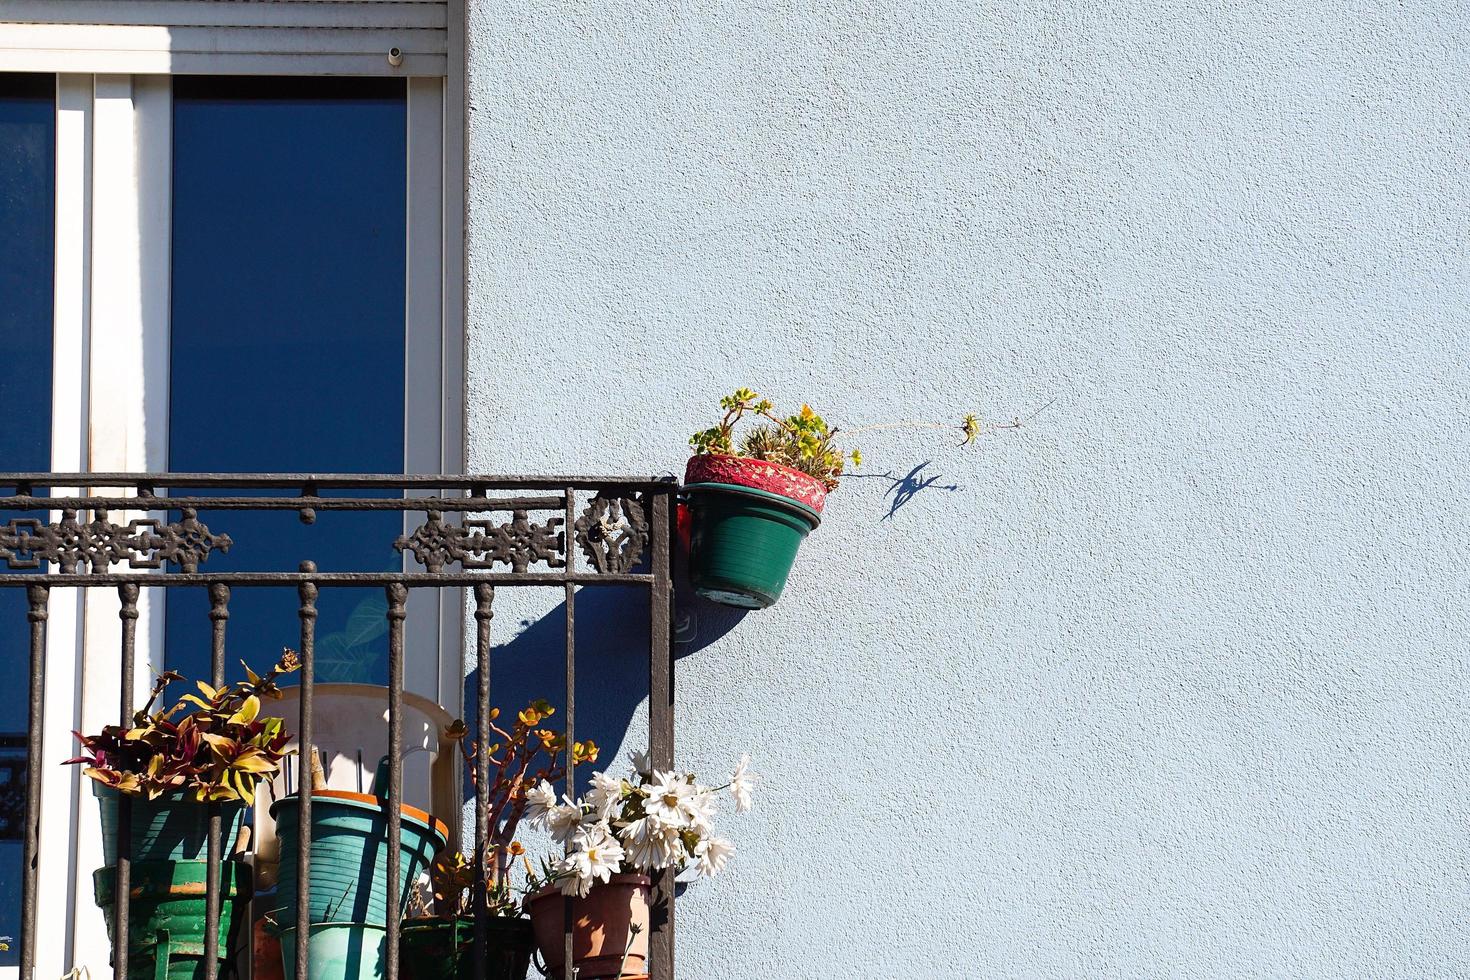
(804, 441)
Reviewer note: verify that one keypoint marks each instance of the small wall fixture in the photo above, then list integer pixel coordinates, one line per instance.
(395, 57)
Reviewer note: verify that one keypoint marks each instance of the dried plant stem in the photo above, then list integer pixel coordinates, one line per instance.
(898, 425)
(318, 776)
(633, 930)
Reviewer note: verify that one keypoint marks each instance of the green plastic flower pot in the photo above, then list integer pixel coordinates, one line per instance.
(339, 951)
(173, 827)
(166, 915)
(349, 857)
(444, 949)
(743, 542)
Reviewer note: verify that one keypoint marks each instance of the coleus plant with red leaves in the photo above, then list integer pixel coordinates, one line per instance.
(212, 746)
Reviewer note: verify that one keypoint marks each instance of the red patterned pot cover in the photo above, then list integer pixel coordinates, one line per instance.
(757, 473)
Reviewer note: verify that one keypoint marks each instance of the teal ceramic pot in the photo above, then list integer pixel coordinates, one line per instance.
(166, 915)
(444, 949)
(173, 827)
(747, 520)
(339, 951)
(349, 857)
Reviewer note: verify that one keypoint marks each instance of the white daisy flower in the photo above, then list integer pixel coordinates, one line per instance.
(712, 854)
(742, 784)
(700, 805)
(596, 856)
(668, 799)
(539, 801)
(641, 763)
(650, 845)
(574, 874)
(606, 795)
(565, 820)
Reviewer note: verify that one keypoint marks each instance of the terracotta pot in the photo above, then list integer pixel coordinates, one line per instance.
(757, 474)
(600, 928)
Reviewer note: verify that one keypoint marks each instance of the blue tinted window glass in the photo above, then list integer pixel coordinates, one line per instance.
(287, 343)
(27, 207)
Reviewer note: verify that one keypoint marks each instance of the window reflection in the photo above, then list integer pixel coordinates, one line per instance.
(27, 192)
(287, 345)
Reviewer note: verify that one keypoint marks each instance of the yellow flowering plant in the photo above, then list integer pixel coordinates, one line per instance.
(804, 441)
(525, 755)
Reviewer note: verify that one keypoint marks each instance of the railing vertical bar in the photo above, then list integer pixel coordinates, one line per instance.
(484, 613)
(568, 916)
(397, 613)
(123, 882)
(307, 611)
(38, 596)
(661, 713)
(219, 613)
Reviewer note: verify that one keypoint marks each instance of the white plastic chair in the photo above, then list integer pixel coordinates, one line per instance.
(350, 729)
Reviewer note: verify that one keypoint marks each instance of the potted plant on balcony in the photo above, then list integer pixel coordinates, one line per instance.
(616, 836)
(438, 944)
(210, 748)
(348, 877)
(751, 504)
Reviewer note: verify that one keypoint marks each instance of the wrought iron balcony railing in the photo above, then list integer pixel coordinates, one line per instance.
(125, 532)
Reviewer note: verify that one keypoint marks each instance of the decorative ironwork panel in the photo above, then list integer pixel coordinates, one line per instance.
(520, 543)
(99, 544)
(12, 787)
(625, 531)
(613, 533)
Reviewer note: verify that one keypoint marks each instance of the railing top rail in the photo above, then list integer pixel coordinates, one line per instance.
(339, 481)
(523, 538)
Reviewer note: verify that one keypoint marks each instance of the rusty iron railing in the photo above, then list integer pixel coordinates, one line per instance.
(622, 527)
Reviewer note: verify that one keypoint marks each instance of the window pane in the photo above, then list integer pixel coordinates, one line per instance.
(27, 209)
(287, 341)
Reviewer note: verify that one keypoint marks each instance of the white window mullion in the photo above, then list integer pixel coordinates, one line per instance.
(127, 399)
(71, 308)
(433, 653)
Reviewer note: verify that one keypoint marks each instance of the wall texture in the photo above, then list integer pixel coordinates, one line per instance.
(1172, 682)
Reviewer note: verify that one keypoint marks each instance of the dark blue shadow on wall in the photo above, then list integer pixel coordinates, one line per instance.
(612, 637)
(903, 489)
(611, 664)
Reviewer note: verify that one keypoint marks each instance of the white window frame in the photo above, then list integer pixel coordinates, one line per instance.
(112, 293)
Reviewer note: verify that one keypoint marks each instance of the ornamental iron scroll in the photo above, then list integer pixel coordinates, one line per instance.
(613, 533)
(100, 544)
(12, 787)
(483, 544)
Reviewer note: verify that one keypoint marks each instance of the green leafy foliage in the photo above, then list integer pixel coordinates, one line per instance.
(214, 745)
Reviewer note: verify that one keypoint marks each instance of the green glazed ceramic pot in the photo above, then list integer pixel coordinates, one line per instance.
(349, 857)
(173, 827)
(339, 951)
(444, 949)
(747, 521)
(166, 915)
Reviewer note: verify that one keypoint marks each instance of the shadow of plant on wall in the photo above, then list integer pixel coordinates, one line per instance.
(611, 664)
(903, 489)
(611, 646)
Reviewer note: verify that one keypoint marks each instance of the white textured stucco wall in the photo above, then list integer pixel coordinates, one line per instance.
(1172, 683)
